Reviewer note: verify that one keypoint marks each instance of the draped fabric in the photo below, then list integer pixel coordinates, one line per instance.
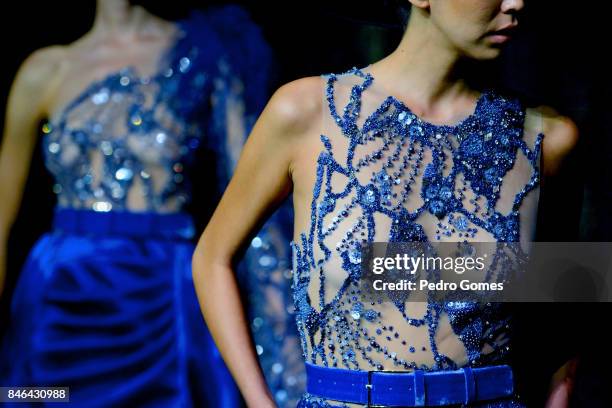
(115, 317)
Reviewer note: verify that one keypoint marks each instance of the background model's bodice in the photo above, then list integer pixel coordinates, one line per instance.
(385, 175)
(127, 142)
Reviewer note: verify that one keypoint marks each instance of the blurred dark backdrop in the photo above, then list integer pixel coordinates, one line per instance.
(559, 59)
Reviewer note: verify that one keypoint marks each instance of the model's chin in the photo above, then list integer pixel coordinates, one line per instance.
(485, 53)
(493, 50)
(492, 53)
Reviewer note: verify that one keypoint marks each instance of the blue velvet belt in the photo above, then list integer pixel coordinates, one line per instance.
(413, 389)
(149, 225)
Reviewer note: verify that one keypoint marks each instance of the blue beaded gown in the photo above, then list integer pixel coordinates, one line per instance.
(105, 303)
(385, 175)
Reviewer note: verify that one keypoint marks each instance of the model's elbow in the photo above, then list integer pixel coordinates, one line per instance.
(206, 260)
(197, 263)
(200, 261)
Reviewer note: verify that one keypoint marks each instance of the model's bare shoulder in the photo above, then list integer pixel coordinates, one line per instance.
(561, 136)
(38, 75)
(297, 106)
(291, 122)
(42, 65)
(562, 131)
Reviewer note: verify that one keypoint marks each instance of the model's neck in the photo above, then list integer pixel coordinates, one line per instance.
(428, 65)
(118, 16)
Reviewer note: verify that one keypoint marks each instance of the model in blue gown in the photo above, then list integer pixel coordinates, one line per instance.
(385, 175)
(105, 303)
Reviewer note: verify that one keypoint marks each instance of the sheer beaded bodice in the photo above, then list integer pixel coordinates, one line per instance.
(128, 141)
(385, 175)
(123, 136)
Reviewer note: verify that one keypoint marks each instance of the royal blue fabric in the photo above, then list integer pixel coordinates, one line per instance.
(114, 316)
(418, 388)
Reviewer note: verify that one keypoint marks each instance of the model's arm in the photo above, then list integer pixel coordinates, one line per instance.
(261, 181)
(26, 107)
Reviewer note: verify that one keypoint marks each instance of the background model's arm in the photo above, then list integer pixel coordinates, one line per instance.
(26, 107)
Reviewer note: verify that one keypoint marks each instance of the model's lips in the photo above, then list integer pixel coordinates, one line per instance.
(499, 38)
(502, 35)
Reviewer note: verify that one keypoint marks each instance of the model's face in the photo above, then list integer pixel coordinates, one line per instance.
(477, 28)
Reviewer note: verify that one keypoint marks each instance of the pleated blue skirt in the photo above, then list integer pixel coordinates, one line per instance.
(105, 305)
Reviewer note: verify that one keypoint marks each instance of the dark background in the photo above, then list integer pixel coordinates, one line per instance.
(560, 59)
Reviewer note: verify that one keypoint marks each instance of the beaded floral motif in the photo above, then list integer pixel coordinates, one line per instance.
(483, 148)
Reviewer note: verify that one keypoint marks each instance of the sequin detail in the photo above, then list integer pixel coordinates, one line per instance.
(459, 188)
(129, 133)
